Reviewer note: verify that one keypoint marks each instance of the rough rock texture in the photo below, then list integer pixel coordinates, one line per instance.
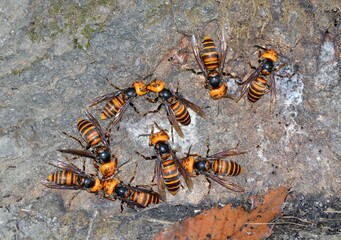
(55, 56)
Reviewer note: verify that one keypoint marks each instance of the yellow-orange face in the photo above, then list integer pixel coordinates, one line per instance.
(108, 169)
(155, 138)
(140, 88)
(188, 164)
(270, 54)
(218, 93)
(156, 86)
(109, 186)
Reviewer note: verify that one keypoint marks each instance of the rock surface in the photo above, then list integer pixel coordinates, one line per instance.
(55, 56)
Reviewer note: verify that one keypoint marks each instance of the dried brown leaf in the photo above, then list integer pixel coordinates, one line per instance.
(229, 222)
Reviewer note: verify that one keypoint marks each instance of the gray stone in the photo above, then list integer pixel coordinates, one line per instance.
(55, 56)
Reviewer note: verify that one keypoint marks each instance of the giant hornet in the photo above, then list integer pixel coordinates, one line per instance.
(119, 102)
(175, 105)
(211, 63)
(72, 178)
(133, 196)
(214, 168)
(256, 84)
(114, 188)
(168, 167)
(92, 133)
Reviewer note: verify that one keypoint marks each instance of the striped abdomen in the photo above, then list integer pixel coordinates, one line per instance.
(228, 167)
(209, 54)
(171, 176)
(181, 113)
(112, 107)
(257, 89)
(89, 132)
(144, 199)
(64, 178)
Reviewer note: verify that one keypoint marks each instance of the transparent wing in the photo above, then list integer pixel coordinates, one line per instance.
(246, 84)
(224, 182)
(104, 97)
(54, 185)
(148, 191)
(160, 183)
(225, 153)
(95, 122)
(82, 153)
(223, 52)
(272, 85)
(172, 119)
(68, 167)
(198, 110)
(131, 203)
(196, 51)
(182, 170)
(122, 110)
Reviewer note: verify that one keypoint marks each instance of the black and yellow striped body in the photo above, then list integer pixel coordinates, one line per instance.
(66, 178)
(209, 54)
(89, 132)
(226, 167)
(171, 176)
(71, 178)
(144, 198)
(112, 107)
(257, 89)
(181, 113)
